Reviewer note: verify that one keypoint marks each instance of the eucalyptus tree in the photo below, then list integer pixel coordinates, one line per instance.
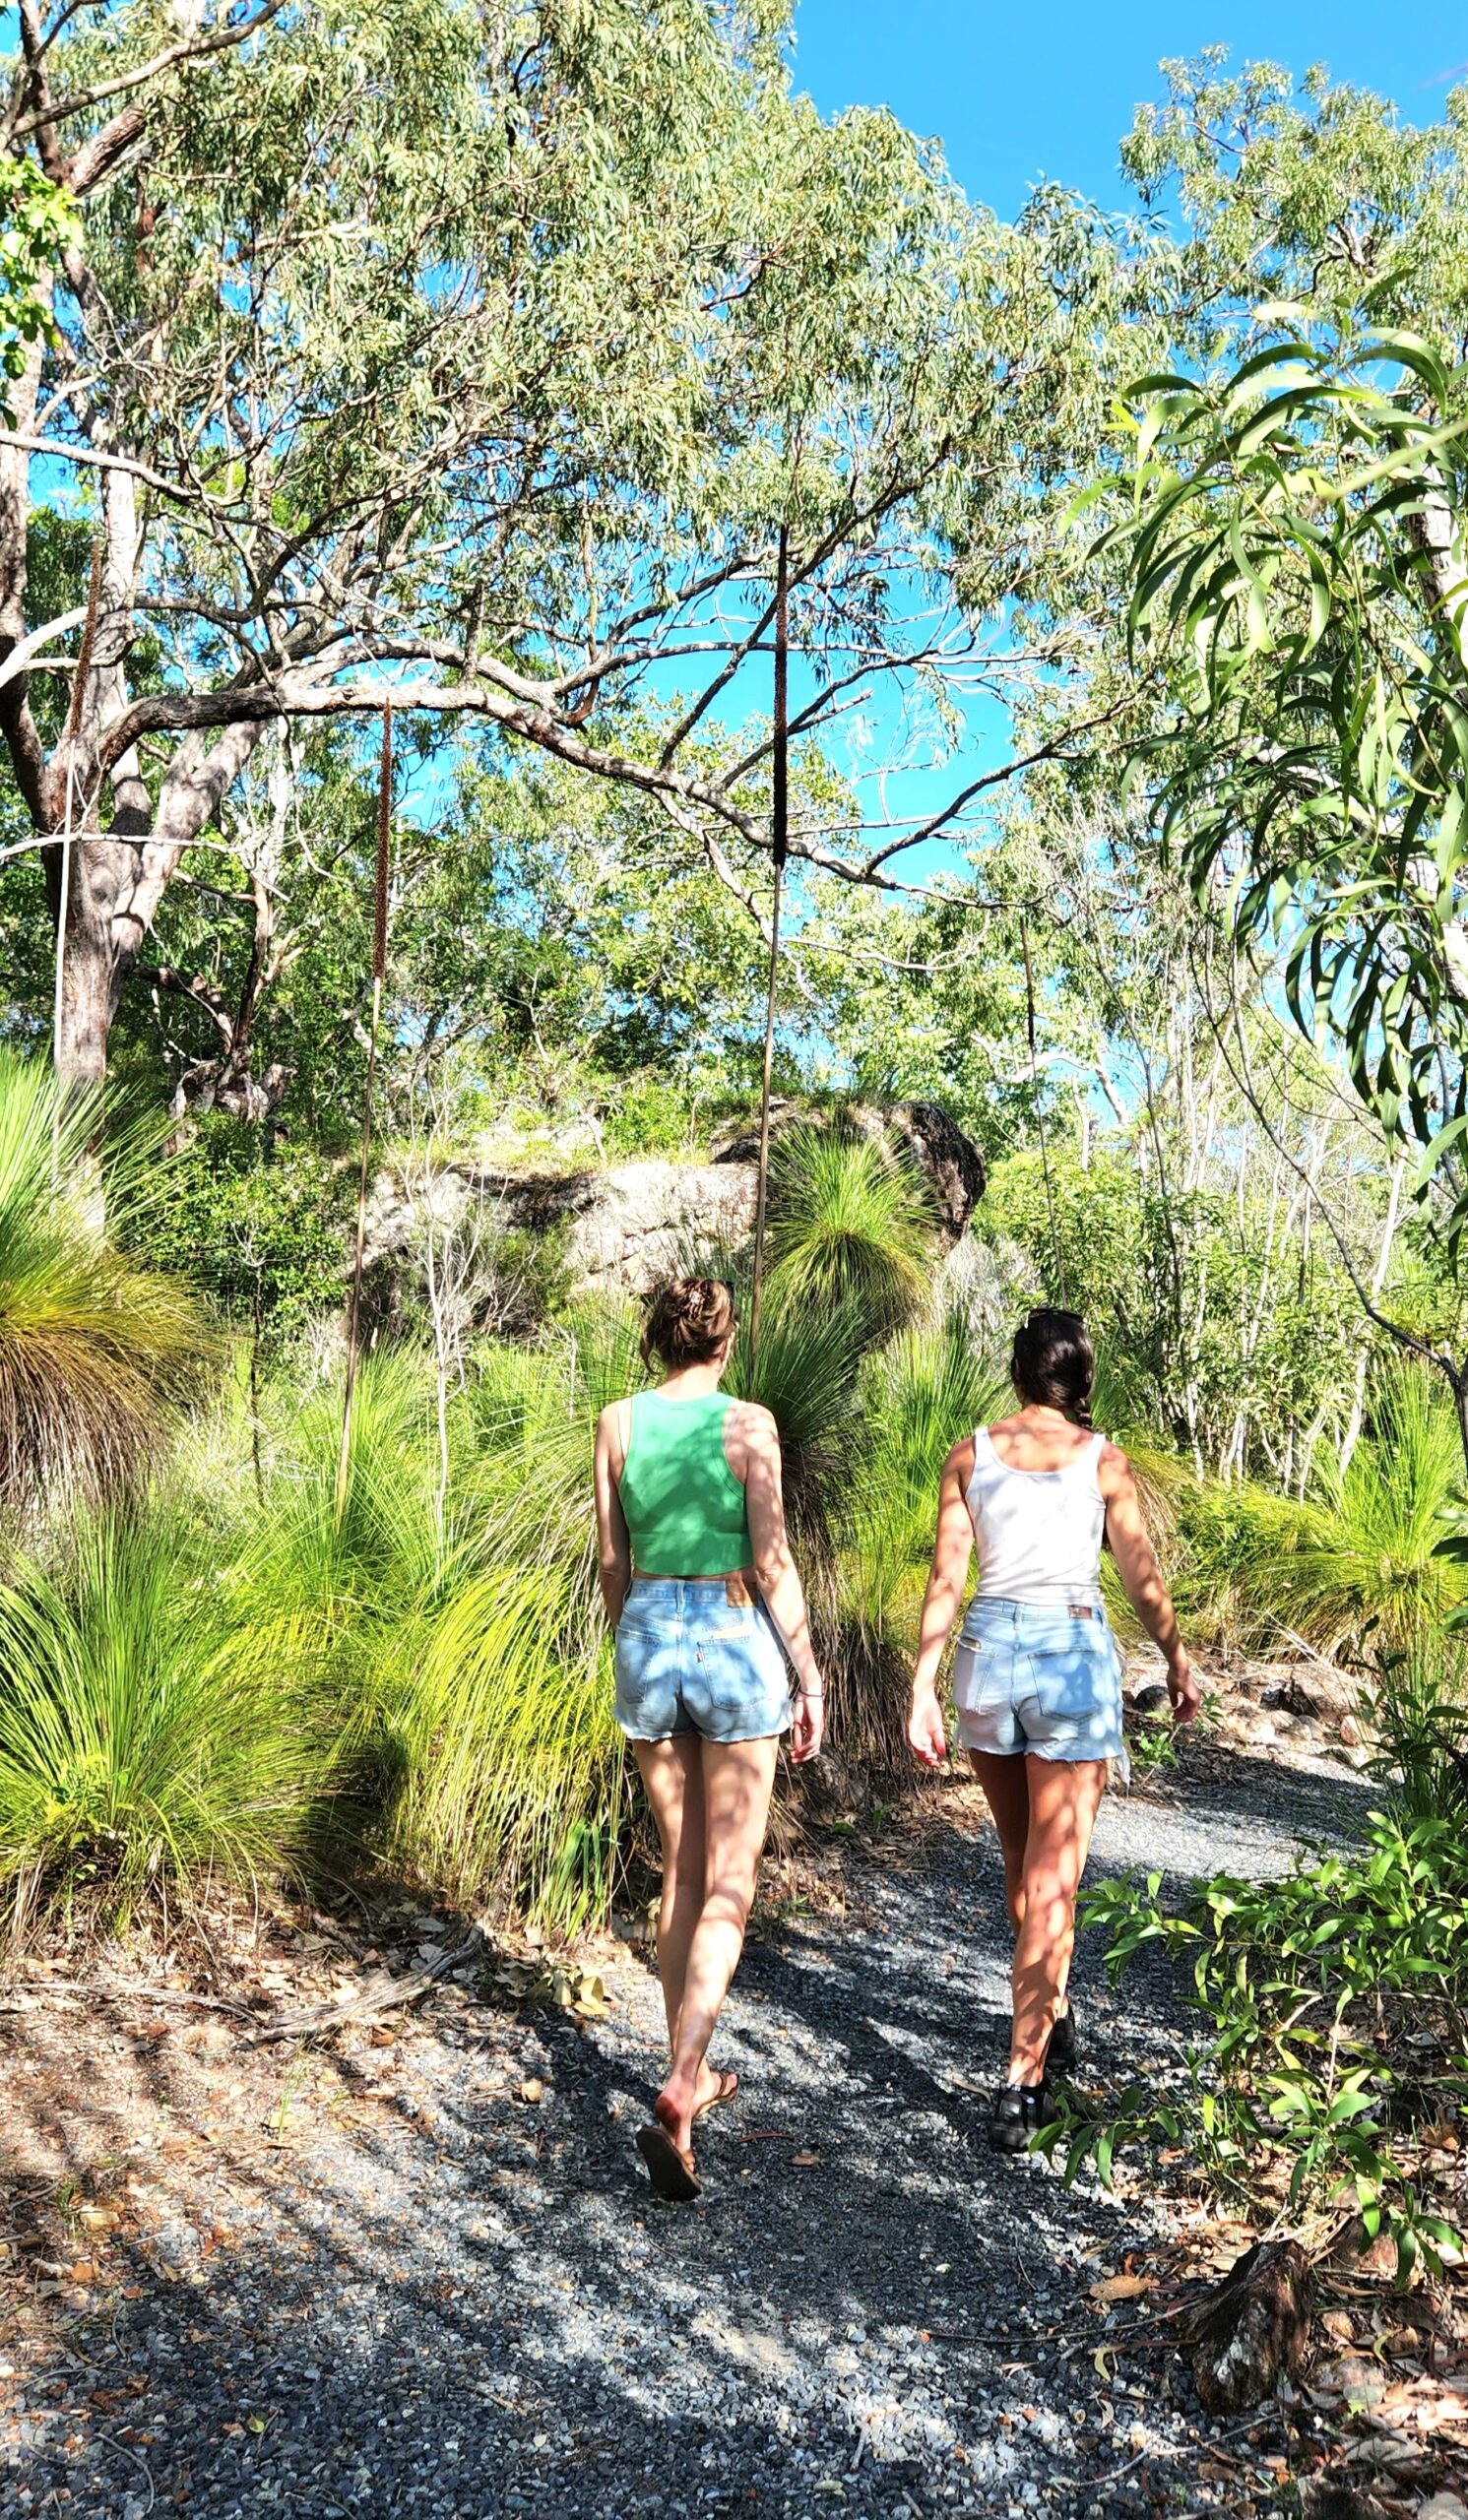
(478, 353)
(1287, 530)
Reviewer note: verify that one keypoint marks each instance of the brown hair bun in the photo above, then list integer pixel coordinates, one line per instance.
(688, 1321)
(1053, 1364)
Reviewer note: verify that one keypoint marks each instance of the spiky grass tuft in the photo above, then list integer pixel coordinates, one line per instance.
(145, 1747)
(99, 1355)
(851, 1224)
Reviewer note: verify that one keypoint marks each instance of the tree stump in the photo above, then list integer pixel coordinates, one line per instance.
(1252, 2329)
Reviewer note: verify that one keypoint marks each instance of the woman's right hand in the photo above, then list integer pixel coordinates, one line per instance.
(1183, 1689)
(809, 1726)
(926, 1734)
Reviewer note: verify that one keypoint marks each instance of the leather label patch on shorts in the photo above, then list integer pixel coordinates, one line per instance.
(1080, 1609)
(736, 1593)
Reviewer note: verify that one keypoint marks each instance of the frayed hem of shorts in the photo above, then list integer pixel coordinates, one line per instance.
(1055, 1757)
(720, 1740)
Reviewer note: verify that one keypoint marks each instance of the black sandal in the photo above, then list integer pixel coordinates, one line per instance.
(1017, 2114)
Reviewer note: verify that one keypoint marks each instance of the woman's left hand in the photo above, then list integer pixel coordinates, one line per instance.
(808, 1729)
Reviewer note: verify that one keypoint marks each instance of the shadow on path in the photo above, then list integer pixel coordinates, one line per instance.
(484, 2312)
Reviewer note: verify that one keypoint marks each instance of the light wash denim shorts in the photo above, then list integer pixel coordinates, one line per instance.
(689, 1661)
(1039, 1680)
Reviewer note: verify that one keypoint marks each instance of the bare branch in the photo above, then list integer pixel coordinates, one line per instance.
(102, 461)
(172, 58)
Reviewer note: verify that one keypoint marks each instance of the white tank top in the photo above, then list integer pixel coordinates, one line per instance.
(1038, 1530)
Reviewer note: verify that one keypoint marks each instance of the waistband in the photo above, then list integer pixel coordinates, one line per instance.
(1084, 1610)
(692, 1592)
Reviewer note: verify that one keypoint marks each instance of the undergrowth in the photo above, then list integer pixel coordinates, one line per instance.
(1333, 2074)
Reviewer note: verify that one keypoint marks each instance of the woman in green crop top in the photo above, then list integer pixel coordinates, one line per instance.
(700, 1588)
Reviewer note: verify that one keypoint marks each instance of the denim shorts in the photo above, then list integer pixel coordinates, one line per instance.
(1043, 1681)
(688, 1660)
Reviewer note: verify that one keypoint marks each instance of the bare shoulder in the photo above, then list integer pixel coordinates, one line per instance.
(611, 1436)
(752, 1423)
(960, 1462)
(1113, 1470)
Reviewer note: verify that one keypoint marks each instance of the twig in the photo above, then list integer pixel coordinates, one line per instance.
(1114, 2475)
(139, 2462)
(381, 1996)
(119, 1991)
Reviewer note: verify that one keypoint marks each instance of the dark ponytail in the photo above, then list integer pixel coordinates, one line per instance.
(1053, 1364)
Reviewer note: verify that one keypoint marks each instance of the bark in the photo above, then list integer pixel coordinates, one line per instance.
(118, 878)
(1251, 2330)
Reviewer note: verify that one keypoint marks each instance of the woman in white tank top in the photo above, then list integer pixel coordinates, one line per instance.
(1037, 1680)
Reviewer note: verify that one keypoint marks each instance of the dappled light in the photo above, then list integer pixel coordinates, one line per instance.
(734, 1212)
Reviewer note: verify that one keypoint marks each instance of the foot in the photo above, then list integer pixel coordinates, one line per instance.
(714, 2089)
(678, 2101)
(668, 2166)
(677, 2126)
(1018, 2113)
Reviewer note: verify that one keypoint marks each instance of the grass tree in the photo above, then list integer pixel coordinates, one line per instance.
(147, 1746)
(851, 1224)
(99, 1354)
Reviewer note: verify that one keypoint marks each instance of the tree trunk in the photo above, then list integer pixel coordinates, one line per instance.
(91, 981)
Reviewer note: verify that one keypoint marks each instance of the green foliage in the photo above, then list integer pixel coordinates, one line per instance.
(99, 1354)
(1419, 1716)
(850, 1225)
(498, 1689)
(146, 1745)
(38, 223)
(1356, 1564)
(1337, 2000)
(467, 1666)
(263, 1228)
(1292, 565)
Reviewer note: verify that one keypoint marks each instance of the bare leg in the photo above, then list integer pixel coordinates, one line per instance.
(738, 1777)
(1065, 1797)
(1006, 1791)
(671, 1772)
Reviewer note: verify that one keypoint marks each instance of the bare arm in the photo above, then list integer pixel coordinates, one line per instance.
(947, 1576)
(1142, 1579)
(775, 1573)
(613, 1547)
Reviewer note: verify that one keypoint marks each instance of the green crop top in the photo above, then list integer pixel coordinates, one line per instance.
(684, 1508)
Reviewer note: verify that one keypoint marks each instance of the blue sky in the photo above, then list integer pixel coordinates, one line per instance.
(1018, 93)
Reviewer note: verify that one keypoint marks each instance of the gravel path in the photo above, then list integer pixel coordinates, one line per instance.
(466, 2305)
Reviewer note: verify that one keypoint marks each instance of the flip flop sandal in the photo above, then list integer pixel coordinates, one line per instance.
(728, 2084)
(671, 2173)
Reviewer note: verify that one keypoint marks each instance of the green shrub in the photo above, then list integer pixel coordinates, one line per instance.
(1337, 2004)
(265, 1231)
(99, 1354)
(146, 1744)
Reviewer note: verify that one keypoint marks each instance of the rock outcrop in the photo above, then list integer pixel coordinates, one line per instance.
(938, 1146)
(622, 1230)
